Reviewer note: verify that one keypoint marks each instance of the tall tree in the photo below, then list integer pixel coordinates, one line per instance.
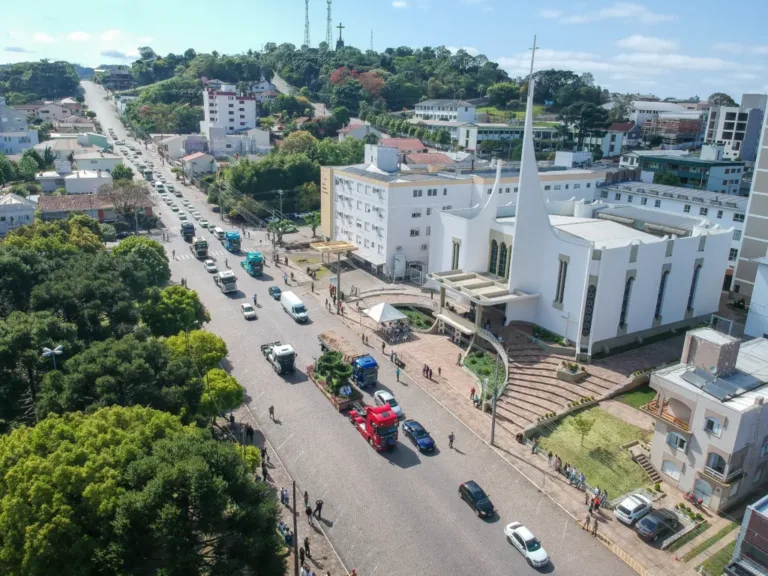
(721, 99)
(173, 310)
(313, 221)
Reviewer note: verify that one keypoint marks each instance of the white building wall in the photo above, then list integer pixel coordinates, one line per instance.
(51, 112)
(13, 215)
(225, 109)
(75, 184)
(757, 320)
(106, 164)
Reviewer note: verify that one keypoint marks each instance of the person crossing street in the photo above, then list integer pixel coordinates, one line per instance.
(451, 438)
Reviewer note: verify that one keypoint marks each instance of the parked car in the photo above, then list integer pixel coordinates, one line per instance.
(382, 397)
(249, 312)
(210, 266)
(527, 544)
(203, 223)
(632, 508)
(275, 292)
(417, 434)
(477, 499)
(657, 524)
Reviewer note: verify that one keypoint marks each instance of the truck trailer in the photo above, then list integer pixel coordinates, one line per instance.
(281, 357)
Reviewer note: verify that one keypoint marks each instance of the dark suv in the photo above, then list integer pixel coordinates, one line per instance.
(477, 499)
(657, 524)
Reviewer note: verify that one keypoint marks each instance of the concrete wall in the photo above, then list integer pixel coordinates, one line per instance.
(757, 320)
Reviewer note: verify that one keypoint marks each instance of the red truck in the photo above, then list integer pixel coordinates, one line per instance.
(377, 424)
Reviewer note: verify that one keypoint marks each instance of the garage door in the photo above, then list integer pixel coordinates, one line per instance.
(703, 490)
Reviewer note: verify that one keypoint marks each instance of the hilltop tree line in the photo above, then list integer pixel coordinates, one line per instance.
(107, 458)
(31, 81)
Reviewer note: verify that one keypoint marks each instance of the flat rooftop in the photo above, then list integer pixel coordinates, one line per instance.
(683, 194)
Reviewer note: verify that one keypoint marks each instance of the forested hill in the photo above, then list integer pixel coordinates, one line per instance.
(44, 80)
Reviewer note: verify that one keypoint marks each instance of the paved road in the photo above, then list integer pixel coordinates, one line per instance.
(284, 88)
(392, 513)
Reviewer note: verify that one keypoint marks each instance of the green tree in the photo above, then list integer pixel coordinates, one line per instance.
(299, 142)
(90, 114)
(108, 232)
(501, 94)
(172, 310)
(442, 137)
(27, 168)
(621, 108)
(131, 491)
(341, 115)
(309, 197)
(667, 178)
(204, 348)
(221, 393)
(721, 99)
(586, 117)
(7, 170)
(371, 138)
(151, 253)
(55, 239)
(582, 425)
(313, 221)
(44, 132)
(122, 172)
(280, 228)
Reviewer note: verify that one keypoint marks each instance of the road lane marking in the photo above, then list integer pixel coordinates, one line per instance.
(284, 442)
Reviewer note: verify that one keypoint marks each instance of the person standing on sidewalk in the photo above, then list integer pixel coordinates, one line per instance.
(306, 547)
(308, 512)
(397, 374)
(451, 438)
(586, 522)
(301, 557)
(272, 413)
(319, 509)
(306, 498)
(594, 528)
(472, 393)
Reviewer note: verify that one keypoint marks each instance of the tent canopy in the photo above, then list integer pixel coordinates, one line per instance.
(382, 313)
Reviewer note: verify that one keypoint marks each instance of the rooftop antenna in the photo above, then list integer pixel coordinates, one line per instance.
(371, 40)
(306, 23)
(329, 28)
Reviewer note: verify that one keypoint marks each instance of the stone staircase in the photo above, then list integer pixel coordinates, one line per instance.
(648, 468)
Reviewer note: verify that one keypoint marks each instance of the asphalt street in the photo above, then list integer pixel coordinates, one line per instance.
(392, 513)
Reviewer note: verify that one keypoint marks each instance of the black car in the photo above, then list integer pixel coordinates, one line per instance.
(477, 499)
(417, 434)
(657, 524)
(275, 292)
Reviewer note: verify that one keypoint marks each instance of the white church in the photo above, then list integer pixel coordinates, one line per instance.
(599, 275)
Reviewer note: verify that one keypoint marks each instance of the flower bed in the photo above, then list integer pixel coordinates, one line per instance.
(571, 372)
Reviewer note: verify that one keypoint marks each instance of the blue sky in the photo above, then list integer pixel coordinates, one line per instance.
(670, 48)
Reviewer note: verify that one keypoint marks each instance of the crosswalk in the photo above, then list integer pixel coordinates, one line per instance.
(211, 254)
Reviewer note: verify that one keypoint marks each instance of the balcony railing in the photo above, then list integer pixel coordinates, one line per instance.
(722, 477)
(662, 413)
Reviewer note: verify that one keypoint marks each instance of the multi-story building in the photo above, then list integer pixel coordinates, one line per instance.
(641, 111)
(757, 319)
(450, 110)
(224, 108)
(50, 112)
(15, 211)
(469, 135)
(750, 557)
(721, 176)
(755, 243)
(680, 130)
(737, 128)
(97, 160)
(724, 210)
(386, 210)
(15, 135)
(711, 431)
(619, 136)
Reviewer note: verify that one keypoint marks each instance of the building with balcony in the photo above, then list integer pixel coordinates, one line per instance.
(721, 176)
(224, 108)
(737, 128)
(614, 140)
(449, 110)
(711, 431)
(750, 557)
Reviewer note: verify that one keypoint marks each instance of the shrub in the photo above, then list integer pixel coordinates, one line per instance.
(657, 486)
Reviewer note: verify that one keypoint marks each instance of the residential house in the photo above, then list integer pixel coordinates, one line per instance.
(15, 211)
(50, 111)
(97, 160)
(266, 96)
(301, 120)
(711, 430)
(750, 557)
(15, 135)
(448, 110)
(357, 132)
(73, 106)
(121, 102)
(28, 109)
(119, 78)
(261, 86)
(73, 127)
(198, 164)
(93, 205)
(404, 146)
(74, 182)
(253, 141)
(432, 161)
(73, 144)
(619, 136)
(737, 128)
(176, 146)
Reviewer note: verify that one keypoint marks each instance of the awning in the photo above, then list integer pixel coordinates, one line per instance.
(461, 324)
(382, 313)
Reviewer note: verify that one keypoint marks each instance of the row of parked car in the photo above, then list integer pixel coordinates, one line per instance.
(637, 510)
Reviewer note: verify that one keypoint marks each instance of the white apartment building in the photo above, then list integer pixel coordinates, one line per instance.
(640, 111)
(757, 319)
(725, 210)
(50, 111)
(386, 211)
(224, 108)
(469, 135)
(97, 160)
(15, 135)
(711, 431)
(448, 110)
(737, 128)
(15, 211)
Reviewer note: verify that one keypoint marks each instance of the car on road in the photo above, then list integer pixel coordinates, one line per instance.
(123, 234)
(657, 524)
(183, 217)
(203, 222)
(632, 508)
(211, 227)
(196, 215)
(417, 434)
(210, 266)
(174, 208)
(382, 397)
(273, 219)
(249, 312)
(186, 202)
(162, 178)
(477, 499)
(527, 544)
(275, 292)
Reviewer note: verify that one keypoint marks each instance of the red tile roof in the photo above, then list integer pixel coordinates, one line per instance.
(429, 158)
(73, 203)
(351, 127)
(193, 156)
(621, 126)
(403, 144)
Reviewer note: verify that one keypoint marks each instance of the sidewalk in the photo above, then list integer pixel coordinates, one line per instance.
(324, 558)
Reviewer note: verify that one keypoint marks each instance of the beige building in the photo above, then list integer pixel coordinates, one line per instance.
(711, 432)
(754, 243)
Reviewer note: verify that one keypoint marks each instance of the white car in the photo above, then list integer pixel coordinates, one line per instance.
(162, 178)
(196, 215)
(210, 266)
(186, 202)
(382, 397)
(527, 544)
(249, 312)
(204, 223)
(632, 508)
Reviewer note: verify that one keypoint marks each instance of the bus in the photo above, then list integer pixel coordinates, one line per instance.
(148, 176)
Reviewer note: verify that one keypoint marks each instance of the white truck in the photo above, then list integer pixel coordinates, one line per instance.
(226, 281)
(294, 307)
(281, 356)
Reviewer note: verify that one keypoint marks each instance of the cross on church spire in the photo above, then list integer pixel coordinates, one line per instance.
(533, 53)
(340, 27)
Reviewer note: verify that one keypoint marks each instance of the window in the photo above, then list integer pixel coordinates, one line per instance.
(625, 301)
(547, 187)
(566, 186)
(432, 192)
(670, 469)
(616, 196)
(676, 441)
(415, 232)
(660, 295)
(719, 213)
(494, 256)
(738, 217)
(416, 214)
(502, 269)
(417, 193)
(490, 190)
(604, 194)
(429, 230)
(703, 211)
(643, 201)
(712, 425)
(589, 310)
(561, 275)
(733, 254)
(575, 186)
(657, 203)
(687, 208)
(557, 186)
(424, 247)
(445, 191)
(630, 198)
(694, 282)
(589, 185)
(737, 235)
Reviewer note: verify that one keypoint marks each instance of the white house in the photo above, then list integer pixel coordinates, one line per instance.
(198, 163)
(757, 319)
(582, 271)
(226, 109)
(640, 110)
(357, 132)
(450, 110)
(252, 141)
(97, 160)
(261, 86)
(72, 105)
(15, 211)
(86, 181)
(51, 111)
(620, 135)
(15, 135)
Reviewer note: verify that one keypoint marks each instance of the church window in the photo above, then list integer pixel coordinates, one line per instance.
(694, 282)
(503, 260)
(562, 273)
(494, 257)
(660, 296)
(589, 310)
(625, 301)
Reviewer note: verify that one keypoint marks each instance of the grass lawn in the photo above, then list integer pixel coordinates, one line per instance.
(505, 115)
(638, 397)
(314, 263)
(683, 540)
(416, 318)
(483, 364)
(716, 564)
(601, 458)
(709, 542)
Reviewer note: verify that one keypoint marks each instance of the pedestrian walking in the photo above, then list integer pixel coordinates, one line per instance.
(306, 498)
(313, 287)
(534, 445)
(306, 547)
(451, 438)
(308, 512)
(174, 254)
(319, 509)
(272, 413)
(458, 362)
(587, 521)
(226, 262)
(472, 393)
(397, 374)
(383, 346)
(586, 498)
(302, 554)
(594, 528)
(439, 372)
(264, 471)
(549, 459)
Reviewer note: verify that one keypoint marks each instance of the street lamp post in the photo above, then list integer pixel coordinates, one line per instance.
(280, 195)
(52, 353)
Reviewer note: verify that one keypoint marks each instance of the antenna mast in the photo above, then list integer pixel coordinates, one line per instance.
(329, 28)
(306, 23)
(371, 40)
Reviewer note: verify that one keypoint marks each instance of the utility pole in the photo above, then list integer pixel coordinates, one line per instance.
(329, 28)
(280, 194)
(371, 40)
(295, 535)
(306, 23)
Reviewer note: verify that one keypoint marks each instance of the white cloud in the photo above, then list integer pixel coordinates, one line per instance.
(736, 48)
(42, 37)
(621, 10)
(78, 36)
(647, 44)
(744, 76)
(678, 62)
(110, 35)
(15, 34)
(400, 4)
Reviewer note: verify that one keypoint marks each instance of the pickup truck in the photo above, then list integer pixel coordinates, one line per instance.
(281, 356)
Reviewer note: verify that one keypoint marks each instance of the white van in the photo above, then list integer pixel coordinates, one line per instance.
(219, 233)
(294, 307)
